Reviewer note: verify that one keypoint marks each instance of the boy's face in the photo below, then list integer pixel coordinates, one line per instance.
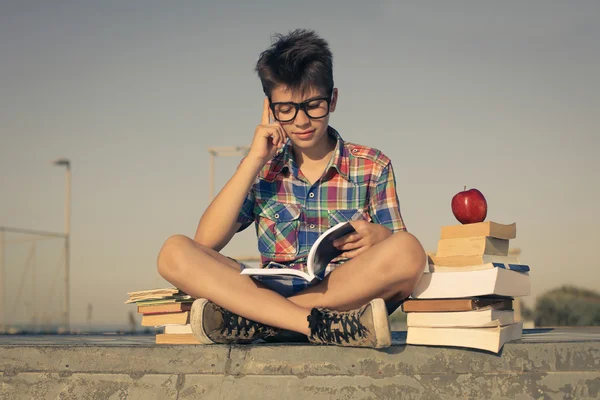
(305, 132)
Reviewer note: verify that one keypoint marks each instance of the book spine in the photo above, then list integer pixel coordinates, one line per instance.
(512, 267)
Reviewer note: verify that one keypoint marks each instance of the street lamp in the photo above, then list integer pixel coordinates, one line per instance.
(237, 151)
(66, 163)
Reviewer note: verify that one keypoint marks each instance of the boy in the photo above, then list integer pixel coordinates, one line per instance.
(298, 179)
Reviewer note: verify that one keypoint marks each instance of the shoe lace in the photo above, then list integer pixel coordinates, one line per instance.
(347, 325)
(234, 325)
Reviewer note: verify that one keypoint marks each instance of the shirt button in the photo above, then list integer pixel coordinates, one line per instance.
(276, 216)
(312, 226)
(355, 150)
(311, 194)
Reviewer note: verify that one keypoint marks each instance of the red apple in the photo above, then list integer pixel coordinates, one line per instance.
(469, 206)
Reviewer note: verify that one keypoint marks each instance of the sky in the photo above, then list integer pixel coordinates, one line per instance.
(499, 96)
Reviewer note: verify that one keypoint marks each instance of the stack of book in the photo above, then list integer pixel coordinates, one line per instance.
(166, 308)
(466, 298)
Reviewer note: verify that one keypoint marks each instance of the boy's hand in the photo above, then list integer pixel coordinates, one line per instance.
(367, 234)
(268, 138)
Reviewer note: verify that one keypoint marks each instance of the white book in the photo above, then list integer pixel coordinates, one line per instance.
(178, 329)
(512, 267)
(452, 285)
(320, 255)
(477, 259)
(489, 339)
(462, 319)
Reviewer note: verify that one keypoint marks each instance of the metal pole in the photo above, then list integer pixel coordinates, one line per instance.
(3, 323)
(66, 311)
(67, 245)
(222, 152)
(33, 289)
(212, 175)
(30, 232)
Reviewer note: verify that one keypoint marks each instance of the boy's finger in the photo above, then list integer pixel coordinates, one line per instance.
(349, 254)
(360, 225)
(283, 135)
(354, 253)
(351, 245)
(266, 111)
(349, 238)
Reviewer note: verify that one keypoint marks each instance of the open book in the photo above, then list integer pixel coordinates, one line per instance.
(320, 255)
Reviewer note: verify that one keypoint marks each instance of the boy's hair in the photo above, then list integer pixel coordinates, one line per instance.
(299, 60)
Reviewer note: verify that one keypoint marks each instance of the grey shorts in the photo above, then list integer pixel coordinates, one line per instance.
(291, 286)
(284, 285)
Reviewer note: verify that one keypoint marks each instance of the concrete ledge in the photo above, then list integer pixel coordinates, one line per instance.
(544, 364)
(115, 386)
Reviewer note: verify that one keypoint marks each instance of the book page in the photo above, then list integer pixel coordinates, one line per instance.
(323, 250)
(276, 272)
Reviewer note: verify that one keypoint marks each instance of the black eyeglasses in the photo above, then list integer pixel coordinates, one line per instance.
(315, 108)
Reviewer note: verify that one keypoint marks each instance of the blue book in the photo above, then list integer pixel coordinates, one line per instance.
(512, 267)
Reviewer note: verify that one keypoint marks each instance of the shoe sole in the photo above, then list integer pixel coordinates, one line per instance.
(381, 322)
(196, 318)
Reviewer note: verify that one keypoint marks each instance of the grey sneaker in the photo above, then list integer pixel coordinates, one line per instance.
(367, 326)
(213, 324)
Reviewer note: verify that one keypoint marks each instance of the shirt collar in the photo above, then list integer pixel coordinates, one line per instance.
(340, 160)
(285, 159)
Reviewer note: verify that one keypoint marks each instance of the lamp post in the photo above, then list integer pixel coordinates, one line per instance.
(3, 323)
(66, 163)
(237, 151)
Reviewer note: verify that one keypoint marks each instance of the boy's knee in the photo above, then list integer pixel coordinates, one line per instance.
(407, 248)
(170, 254)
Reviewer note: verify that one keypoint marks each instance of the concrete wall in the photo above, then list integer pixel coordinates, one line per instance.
(538, 369)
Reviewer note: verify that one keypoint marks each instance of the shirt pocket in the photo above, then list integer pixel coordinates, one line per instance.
(277, 230)
(352, 214)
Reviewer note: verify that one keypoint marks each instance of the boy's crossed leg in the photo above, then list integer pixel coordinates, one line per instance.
(204, 273)
(388, 270)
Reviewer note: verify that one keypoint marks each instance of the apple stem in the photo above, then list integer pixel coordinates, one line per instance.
(465, 189)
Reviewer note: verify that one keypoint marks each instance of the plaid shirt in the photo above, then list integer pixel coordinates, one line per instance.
(291, 213)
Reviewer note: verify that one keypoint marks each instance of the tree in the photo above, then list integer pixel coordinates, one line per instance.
(568, 306)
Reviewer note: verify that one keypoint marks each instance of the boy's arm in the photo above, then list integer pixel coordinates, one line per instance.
(220, 220)
(384, 209)
(384, 206)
